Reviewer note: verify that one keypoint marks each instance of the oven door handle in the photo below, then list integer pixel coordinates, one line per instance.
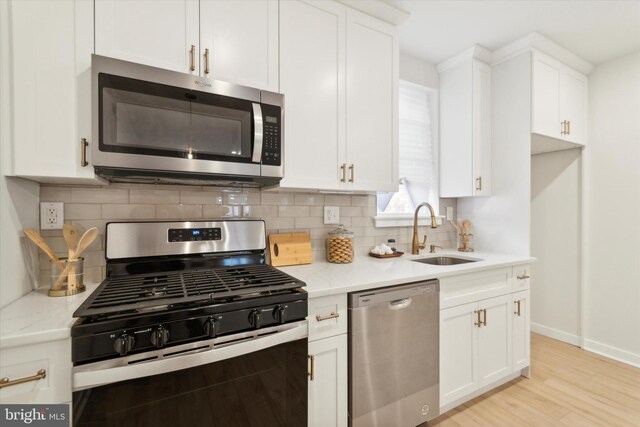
(258, 132)
(85, 377)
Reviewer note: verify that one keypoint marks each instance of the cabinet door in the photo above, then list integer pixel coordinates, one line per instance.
(495, 339)
(458, 349)
(328, 388)
(481, 111)
(312, 79)
(50, 56)
(573, 105)
(242, 38)
(156, 33)
(521, 331)
(372, 103)
(545, 112)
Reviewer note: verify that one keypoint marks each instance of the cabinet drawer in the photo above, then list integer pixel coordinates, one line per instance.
(25, 361)
(472, 287)
(327, 316)
(521, 278)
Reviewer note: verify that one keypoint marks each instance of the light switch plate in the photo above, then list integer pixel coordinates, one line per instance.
(51, 215)
(331, 215)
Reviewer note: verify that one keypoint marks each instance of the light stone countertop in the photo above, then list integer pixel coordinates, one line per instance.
(37, 318)
(365, 272)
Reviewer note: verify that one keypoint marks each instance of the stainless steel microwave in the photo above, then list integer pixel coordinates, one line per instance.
(156, 125)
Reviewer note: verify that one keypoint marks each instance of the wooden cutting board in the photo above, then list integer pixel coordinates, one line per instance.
(290, 249)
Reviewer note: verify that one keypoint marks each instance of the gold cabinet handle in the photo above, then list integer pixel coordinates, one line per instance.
(344, 172)
(568, 127)
(83, 152)
(484, 316)
(352, 173)
(479, 183)
(517, 311)
(206, 61)
(192, 57)
(333, 315)
(6, 382)
(523, 277)
(478, 323)
(312, 371)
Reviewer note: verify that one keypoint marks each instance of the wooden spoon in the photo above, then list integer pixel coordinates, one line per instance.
(39, 241)
(71, 236)
(85, 241)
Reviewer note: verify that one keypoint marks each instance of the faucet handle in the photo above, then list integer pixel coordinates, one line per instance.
(424, 243)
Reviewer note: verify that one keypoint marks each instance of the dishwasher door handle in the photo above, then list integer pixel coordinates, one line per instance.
(400, 303)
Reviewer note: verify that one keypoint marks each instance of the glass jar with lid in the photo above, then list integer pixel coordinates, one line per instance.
(340, 246)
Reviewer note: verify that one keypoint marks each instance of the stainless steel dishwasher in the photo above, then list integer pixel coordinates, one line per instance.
(394, 355)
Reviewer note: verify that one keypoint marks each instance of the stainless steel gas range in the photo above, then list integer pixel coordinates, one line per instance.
(191, 327)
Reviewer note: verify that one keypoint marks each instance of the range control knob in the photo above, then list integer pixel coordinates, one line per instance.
(255, 318)
(211, 327)
(159, 336)
(280, 314)
(124, 343)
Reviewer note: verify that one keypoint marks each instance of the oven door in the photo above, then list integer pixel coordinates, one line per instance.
(248, 379)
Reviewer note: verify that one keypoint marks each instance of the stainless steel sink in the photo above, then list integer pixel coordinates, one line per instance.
(444, 260)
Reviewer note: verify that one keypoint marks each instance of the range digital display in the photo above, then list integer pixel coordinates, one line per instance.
(194, 234)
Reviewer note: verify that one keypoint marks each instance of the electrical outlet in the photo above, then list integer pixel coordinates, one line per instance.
(51, 215)
(331, 215)
(449, 213)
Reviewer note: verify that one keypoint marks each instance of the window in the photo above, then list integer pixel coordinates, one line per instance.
(417, 151)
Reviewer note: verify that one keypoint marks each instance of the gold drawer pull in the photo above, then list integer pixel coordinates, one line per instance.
(333, 315)
(312, 372)
(523, 276)
(518, 311)
(6, 382)
(478, 323)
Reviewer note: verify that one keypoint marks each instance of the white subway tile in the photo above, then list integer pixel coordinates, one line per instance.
(280, 223)
(178, 211)
(221, 211)
(316, 211)
(229, 198)
(99, 195)
(55, 194)
(293, 211)
(363, 200)
(348, 211)
(308, 222)
(309, 199)
(127, 211)
(337, 200)
(82, 211)
(260, 211)
(203, 197)
(277, 199)
(148, 196)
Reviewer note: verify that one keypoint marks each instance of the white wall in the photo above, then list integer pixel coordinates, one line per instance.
(418, 71)
(612, 211)
(556, 205)
(500, 223)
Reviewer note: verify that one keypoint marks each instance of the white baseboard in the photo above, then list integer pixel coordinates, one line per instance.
(555, 334)
(611, 352)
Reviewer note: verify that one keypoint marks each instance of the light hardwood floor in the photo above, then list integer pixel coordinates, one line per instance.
(568, 387)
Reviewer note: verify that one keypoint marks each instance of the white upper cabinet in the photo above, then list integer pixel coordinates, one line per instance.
(465, 127)
(559, 100)
(339, 75)
(239, 42)
(372, 103)
(312, 80)
(48, 46)
(162, 34)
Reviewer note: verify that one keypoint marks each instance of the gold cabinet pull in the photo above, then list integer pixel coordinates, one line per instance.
(563, 127)
(478, 323)
(344, 172)
(517, 311)
(479, 183)
(311, 373)
(523, 277)
(352, 173)
(568, 127)
(484, 316)
(6, 382)
(206, 61)
(333, 315)
(83, 152)
(192, 57)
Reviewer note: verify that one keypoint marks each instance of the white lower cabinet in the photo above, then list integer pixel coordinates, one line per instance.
(484, 341)
(328, 382)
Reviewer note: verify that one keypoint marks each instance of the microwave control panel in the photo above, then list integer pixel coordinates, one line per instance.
(194, 234)
(272, 135)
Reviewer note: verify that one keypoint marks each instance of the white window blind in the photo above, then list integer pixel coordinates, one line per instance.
(418, 178)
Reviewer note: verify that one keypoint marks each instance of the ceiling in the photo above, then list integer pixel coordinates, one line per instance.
(597, 31)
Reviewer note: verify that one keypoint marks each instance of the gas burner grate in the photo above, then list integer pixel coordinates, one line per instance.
(141, 291)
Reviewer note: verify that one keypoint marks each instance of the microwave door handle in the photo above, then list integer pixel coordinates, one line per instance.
(258, 133)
